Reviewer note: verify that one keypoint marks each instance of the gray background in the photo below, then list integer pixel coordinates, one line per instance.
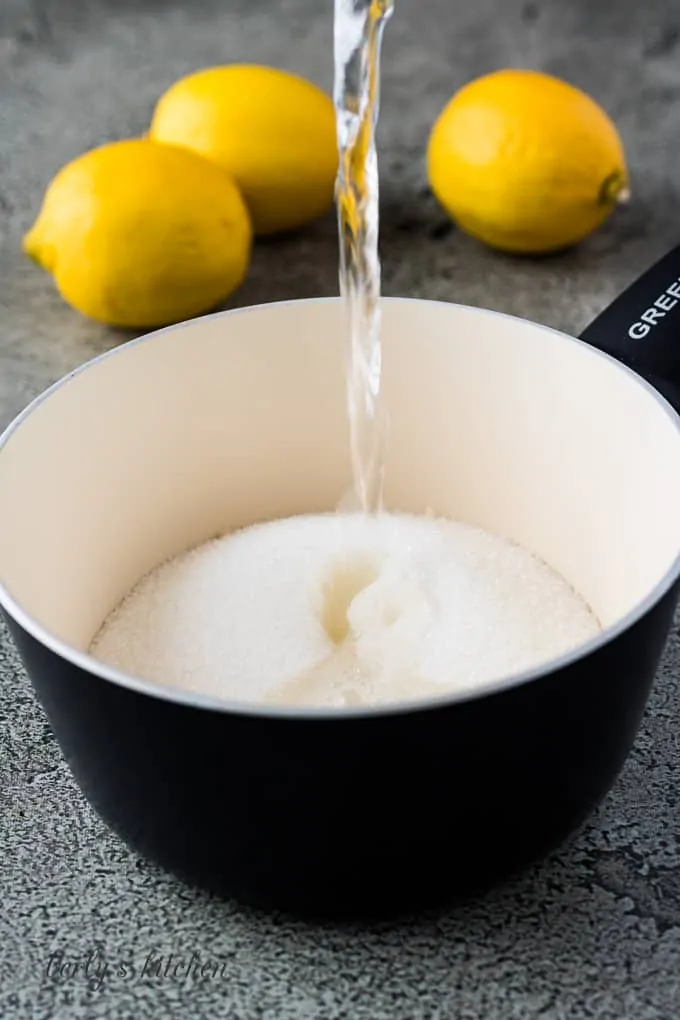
(595, 931)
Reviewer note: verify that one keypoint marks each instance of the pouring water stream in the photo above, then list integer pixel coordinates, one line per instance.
(358, 30)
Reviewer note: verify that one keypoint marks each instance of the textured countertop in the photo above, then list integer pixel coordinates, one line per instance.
(594, 931)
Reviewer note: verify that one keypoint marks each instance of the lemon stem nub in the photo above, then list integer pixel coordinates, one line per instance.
(614, 190)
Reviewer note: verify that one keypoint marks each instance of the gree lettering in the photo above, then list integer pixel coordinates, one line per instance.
(663, 304)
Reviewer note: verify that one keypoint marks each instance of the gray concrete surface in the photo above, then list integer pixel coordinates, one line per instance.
(594, 931)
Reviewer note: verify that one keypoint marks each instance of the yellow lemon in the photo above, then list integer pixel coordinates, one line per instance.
(141, 235)
(272, 131)
(525, 162)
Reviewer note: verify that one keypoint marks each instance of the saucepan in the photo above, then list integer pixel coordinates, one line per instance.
(568, 446)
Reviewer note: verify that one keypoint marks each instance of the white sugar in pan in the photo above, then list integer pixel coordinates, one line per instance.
(345, 609)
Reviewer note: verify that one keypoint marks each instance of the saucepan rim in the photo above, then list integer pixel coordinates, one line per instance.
(191, 699)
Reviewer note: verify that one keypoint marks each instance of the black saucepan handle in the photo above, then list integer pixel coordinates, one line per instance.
(641, 327)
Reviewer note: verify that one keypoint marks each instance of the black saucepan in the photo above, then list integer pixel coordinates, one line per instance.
(234, 418)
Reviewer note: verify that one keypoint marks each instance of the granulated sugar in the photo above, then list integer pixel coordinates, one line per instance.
(344, 609)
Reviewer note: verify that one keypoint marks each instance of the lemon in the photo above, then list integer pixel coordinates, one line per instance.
(142, 235)
(272, 131)
(526, 162)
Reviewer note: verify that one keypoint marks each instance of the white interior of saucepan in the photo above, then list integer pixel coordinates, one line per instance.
(237, 418)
